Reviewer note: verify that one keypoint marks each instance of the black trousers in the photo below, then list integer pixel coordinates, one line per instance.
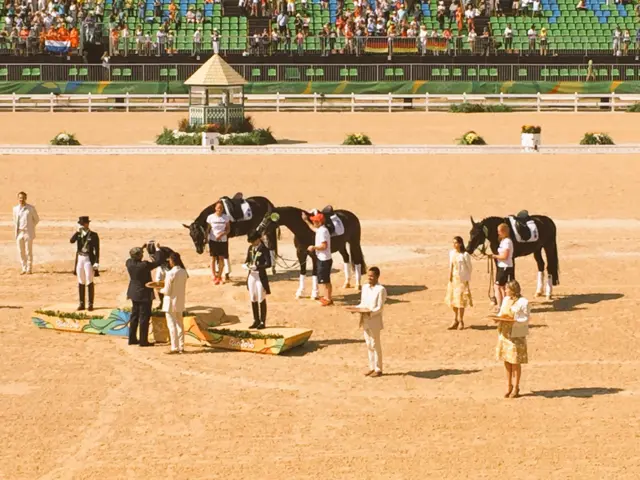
(140, 314)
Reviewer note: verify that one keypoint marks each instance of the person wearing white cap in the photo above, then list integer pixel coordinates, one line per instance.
(25, 219)
(87, 260)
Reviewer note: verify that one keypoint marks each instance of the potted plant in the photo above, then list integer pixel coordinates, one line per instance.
(357, 139)
(596, 139)
(471, 138)
(530, 137)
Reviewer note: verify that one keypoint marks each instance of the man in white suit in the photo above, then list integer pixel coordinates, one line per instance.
(174, 291)
(25, 219)
(370, 309)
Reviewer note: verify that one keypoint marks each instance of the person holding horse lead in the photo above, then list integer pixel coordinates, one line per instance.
(504, 262)
(458, 291)
(257, 261)
(87, 258)
(322, 250)
(219, 226)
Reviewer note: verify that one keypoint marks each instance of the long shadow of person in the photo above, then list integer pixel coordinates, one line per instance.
(580, 392)
(433, 374)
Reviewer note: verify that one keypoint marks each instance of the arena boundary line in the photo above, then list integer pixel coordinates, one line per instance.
(315, 149)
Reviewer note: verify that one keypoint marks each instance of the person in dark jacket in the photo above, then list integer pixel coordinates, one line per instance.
(87, 259)
(257, 262)
(140, 295)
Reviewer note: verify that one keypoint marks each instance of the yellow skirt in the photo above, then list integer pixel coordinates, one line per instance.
(458, 294)
(511, 350)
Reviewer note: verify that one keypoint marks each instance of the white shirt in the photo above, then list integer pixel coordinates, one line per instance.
(323, 235)
(508, 33)
(505, 244)
(218, 225)
(532, 34)
(372, 298)
(463, 260)
(536, 5)
(174, 291)
(25, 219)
(520, 309)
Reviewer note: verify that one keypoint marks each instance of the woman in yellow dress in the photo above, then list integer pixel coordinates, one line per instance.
(513, 326)
(458, 292)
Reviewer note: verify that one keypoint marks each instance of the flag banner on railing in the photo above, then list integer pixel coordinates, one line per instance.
(437, 44)
(400, 45)
(57, 46)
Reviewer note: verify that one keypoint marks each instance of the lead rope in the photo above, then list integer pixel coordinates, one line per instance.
(490, 271)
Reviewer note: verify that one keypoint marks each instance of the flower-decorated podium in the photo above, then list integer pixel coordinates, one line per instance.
(203, 326)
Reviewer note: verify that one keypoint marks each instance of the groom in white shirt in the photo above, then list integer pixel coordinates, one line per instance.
(25, 219)
(370, 309)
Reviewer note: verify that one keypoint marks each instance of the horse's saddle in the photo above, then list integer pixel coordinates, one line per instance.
(331, 220)
(237, 208)
(524, 227)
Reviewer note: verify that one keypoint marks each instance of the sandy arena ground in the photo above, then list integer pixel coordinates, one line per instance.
(90, 407)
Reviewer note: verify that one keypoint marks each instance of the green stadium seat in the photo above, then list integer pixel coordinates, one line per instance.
(26, 72)
(554, 73)
(629, 72)
(344, 72)
(310, 72)
(255, 72)
(399, 72)
(173, 73)
(272, 73)
(457, 72)
(83, 72)
(353, 72)
(484, 72)
(116, 72)
(445, 72)
(73, 72)
(35, 72)
(564, 72)
(544, 73)
(435, 72)
(493, 72)
(320, 72)
(164, 72)
(127, 73)
(603, 72)
(388, 72)
(291, 73)
(615, 73)
(522, 72)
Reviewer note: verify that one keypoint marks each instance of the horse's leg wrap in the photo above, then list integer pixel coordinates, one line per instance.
(273, 259)
(358, 269)
(227, 267)
(300, 291)
(548, 288)
(347, 274)
(540, 285)
(314, 287)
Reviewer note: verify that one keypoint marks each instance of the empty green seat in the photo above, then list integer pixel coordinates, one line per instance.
(344, 72)
(445, 72)
(353, 72)
(630, 72)
(615, 73)
(126, 72)
(26, 72)
(522, 72)
(291, 73)
(164, 72)
(399, 72)
(457, 72)
(388, 72)
(564, 72)
(84, 72)
(493, 72)
(173, 73)
(544, 73)
(255, 72)
(435, 72)
(116, 72)
(472, 72)
(554, 72)
(484, 72)
(319, 72)
(73, 72)
(310, 72)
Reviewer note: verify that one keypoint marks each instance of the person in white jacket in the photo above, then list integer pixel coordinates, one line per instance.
(173, 303)
(458, 292)
(25, 219)
(370, 308)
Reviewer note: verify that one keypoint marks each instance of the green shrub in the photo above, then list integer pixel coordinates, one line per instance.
(596, 139)
(531, 129)
(64, 138)
(176, 137)
(357, 139)
(635, 108)
(471, 138)
(467, 107)
(259, 136)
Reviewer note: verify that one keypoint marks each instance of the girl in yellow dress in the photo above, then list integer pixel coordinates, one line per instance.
(458, 292)
(513, 325)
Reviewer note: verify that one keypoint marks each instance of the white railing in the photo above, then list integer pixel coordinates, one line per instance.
(320, 102)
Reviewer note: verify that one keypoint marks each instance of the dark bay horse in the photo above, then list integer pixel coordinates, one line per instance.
(291, 217)
(487, 230)
(260, 206)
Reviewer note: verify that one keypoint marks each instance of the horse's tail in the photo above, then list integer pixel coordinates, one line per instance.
(553, 263)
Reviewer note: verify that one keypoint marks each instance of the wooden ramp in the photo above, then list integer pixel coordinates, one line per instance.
(208, 326)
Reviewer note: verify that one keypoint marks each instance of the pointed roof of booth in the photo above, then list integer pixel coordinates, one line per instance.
(215, 73)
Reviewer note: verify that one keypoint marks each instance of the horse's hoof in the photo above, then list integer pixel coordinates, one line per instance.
(299, 294)
(226, 277)
(346, 285)
(273, 271)
(548, 298)
(538, 294)
(314, 296)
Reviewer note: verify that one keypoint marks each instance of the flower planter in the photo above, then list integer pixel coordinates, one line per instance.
(530, 141)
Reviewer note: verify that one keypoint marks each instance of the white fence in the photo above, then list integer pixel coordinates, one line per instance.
(320, 102)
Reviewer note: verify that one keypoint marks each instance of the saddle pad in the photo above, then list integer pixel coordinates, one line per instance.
(533, 228)
(338, 226)
(247, 214)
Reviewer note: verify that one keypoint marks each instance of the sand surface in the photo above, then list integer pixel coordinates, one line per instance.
(88, 407)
